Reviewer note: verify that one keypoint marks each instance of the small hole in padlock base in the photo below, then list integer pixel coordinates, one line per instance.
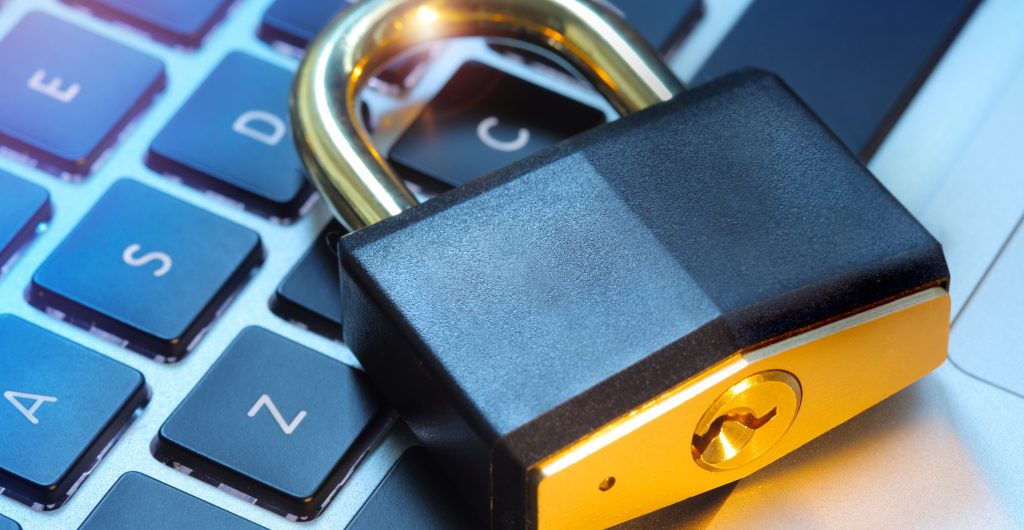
(606, 484)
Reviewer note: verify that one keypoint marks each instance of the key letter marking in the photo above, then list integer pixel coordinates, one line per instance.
(265, 401)
(52, 88)
(243, 126)
(29, 413)
(129, 258)
(483, 131)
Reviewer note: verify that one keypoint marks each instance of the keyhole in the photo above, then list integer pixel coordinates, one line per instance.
(729, 434)
(734, 431)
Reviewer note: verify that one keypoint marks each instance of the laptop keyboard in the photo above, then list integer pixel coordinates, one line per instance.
(173, 239)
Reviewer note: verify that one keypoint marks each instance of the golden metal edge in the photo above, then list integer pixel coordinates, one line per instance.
(351, 175)
(917, 322)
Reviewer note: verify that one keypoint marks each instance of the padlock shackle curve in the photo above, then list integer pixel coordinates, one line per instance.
(351, 175)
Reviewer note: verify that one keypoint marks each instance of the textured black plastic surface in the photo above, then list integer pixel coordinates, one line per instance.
(509, 317)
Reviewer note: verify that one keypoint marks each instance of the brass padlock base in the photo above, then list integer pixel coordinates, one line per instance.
(843, 368)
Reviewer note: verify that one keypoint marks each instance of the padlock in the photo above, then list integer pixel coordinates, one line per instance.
(652, 309)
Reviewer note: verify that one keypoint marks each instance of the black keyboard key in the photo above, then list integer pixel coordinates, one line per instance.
(233, 137)
(62, 406)
(857, 64)
(146, 268)
(403, 72)
(23, 206)
(183, 22)
(490, 119)
(137, 501)
(276, 421)
(66, 93)
(415, 494)
(7, 524)
(663, 23)
(309, 295)
(296, 22)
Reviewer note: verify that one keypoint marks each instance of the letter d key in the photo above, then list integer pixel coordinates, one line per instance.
(652, 309)
(261, 126)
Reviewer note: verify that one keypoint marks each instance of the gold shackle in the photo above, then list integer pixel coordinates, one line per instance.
(352, 176)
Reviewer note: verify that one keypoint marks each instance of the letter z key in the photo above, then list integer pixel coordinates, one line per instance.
(279, 422)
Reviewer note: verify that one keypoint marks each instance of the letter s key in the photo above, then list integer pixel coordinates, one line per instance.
(131, 260)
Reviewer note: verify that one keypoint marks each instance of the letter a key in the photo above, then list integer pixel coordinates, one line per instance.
(29, 413)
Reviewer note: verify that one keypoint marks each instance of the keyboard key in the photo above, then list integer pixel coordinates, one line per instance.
(7, 524)
(491, 119)
(857, 64)
(296, 22)
(309, 295)
(663, 23)
(138, 501)
(62, 406)
(414, 494)
(66, 93)
(146, 269)
(23, 206)
(276, 421)
(232, 136)
(183, 22)
(403, 72)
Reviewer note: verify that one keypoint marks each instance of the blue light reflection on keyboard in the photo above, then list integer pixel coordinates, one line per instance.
(284, 245)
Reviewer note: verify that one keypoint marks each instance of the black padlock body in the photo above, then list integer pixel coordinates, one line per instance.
(512, 316)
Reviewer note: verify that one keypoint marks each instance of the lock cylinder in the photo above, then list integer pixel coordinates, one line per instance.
(746, 421)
